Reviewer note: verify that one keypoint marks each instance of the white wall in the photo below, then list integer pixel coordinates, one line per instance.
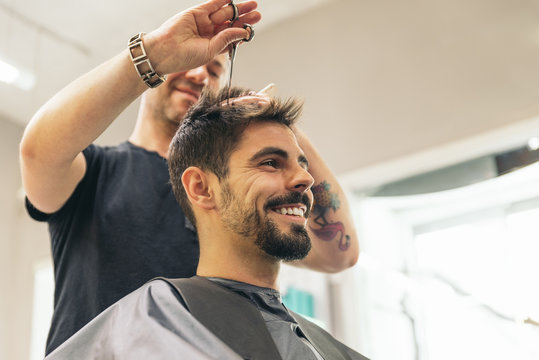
(22, 242)
(385, 79)
(9, 181)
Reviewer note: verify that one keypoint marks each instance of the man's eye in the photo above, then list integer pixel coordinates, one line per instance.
(213, 72)
(271, 163)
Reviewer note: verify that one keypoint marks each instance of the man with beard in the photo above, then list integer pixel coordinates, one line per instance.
(250, 206)
(113, 220)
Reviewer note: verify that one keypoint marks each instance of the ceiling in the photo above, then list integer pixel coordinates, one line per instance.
(381, 79)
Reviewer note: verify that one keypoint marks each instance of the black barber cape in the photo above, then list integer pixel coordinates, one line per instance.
(156, 322)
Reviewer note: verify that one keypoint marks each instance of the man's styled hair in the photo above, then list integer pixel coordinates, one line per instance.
(212, 129)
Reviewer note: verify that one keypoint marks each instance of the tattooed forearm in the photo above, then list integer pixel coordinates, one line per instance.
(324, 201)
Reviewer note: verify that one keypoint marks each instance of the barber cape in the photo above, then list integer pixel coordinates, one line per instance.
(192, 318)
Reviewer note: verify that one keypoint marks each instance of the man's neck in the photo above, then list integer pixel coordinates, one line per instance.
(254, 269)
(153, 136)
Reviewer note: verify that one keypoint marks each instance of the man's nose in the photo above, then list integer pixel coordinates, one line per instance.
(302, 180)
(198, 75)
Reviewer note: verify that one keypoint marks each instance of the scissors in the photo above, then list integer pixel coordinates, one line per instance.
(234, 46)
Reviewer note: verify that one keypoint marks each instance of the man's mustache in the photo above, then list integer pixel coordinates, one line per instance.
(290, 198)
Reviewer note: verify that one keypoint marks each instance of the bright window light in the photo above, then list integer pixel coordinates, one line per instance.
(8, 73)
(478, 288)
(12, 75)
(43, 307)
(467, 265)
(533, 143)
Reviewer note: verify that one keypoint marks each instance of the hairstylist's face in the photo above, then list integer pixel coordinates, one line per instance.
(172, 100)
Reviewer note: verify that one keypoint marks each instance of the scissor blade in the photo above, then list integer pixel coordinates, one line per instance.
(232, 55)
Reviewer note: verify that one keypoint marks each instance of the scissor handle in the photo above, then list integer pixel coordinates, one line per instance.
(236, 13)
(251, 32)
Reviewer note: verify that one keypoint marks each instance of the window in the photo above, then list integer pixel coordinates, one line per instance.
(452, 274)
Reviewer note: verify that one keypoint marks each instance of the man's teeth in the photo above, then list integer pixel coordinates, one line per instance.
(291, 211)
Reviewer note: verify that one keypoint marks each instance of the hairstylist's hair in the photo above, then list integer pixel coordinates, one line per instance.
(212, 129)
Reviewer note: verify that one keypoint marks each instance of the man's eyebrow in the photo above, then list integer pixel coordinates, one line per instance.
(216, 63)
(269, 151)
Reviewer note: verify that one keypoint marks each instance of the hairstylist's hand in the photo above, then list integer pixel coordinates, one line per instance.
(195, 36)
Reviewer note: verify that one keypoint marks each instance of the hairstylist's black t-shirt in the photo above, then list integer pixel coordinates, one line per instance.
(121, 227)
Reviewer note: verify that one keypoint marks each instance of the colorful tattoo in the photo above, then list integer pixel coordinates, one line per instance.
(324, 200)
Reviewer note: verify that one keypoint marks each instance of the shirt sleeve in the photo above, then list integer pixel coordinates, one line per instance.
(90, 154)
(150, 323)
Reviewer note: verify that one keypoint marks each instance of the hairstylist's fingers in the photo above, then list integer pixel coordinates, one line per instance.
(226, 13)
(220, 42)
(256, 99)
(212, 5)
(269, 90)
(250, 18)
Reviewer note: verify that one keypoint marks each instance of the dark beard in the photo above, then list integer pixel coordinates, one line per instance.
(283, 246)
(287, 246)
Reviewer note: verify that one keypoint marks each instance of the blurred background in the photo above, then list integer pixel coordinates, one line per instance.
(428, 112)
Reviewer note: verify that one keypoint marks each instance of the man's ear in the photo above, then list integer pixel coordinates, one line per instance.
(197, 187)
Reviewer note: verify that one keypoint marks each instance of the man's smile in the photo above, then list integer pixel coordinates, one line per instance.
(293, 206)
(191, 93)
(291, 209)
